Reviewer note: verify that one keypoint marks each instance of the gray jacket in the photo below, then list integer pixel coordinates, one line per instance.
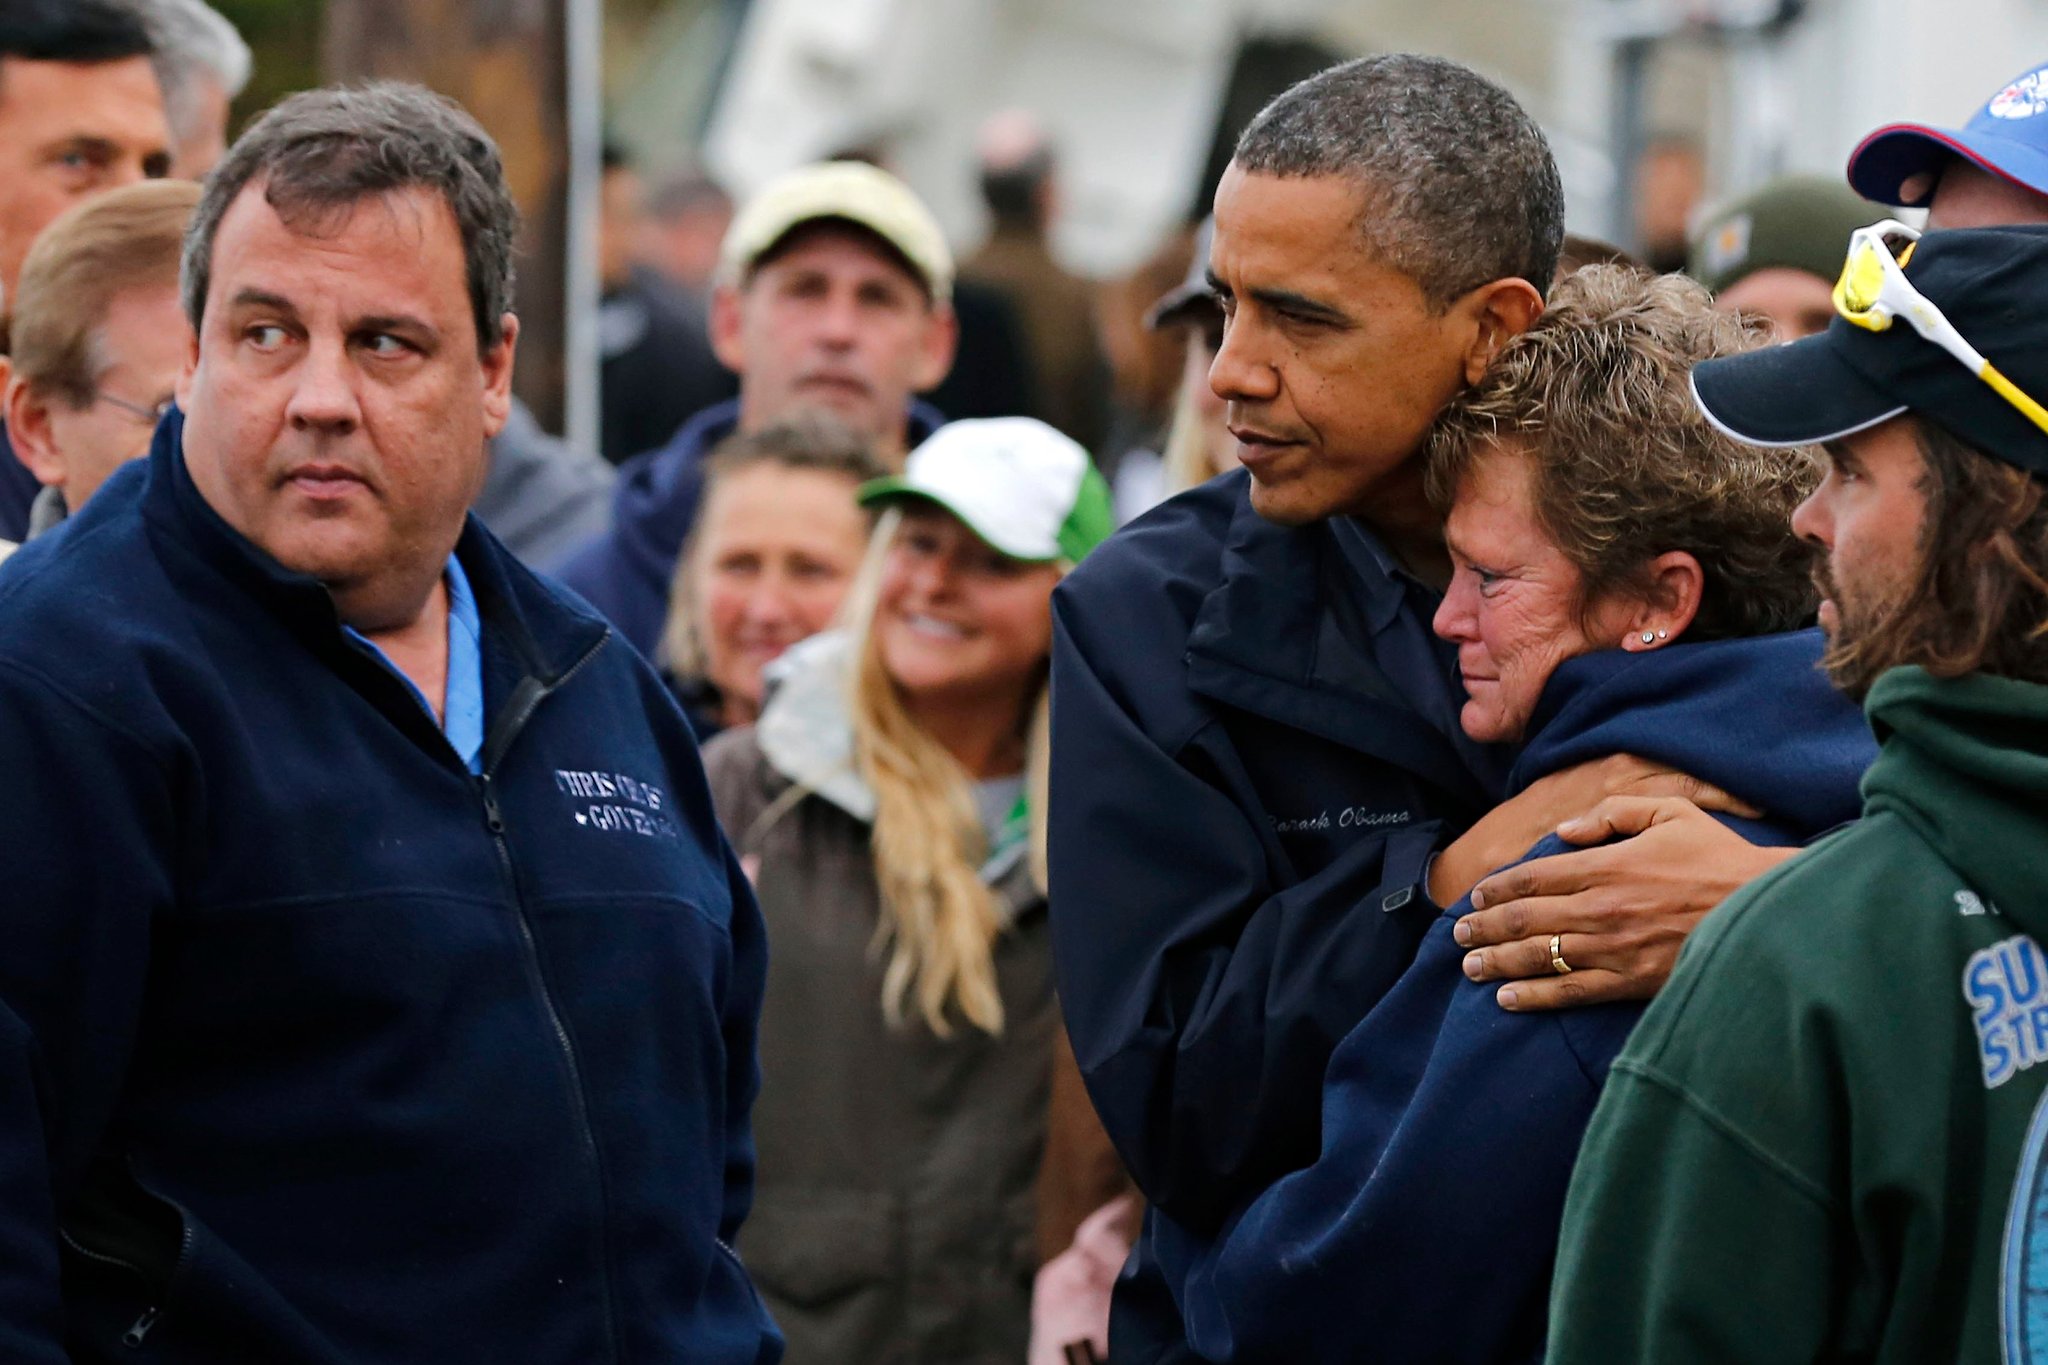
(542, 497)
(47, 512)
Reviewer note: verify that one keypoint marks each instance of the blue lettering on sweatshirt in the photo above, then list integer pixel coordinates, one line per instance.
(2003, 985)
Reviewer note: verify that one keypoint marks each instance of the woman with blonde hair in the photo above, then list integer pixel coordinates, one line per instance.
(890, 805)
(777, 542)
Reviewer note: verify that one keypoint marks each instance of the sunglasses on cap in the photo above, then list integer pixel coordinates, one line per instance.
(1874, 290)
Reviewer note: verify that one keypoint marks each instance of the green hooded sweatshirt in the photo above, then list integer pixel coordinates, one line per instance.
(1824, 1140)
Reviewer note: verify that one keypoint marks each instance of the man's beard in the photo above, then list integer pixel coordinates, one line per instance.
(1853, 661)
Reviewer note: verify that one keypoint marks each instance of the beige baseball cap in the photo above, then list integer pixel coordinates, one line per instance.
(852, 190)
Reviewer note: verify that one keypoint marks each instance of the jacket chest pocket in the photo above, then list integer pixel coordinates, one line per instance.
(573, 837)
(346, 837)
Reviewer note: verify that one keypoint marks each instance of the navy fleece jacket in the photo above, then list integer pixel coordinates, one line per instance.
(625, 572)
(317, 1048)
(1427, 1227)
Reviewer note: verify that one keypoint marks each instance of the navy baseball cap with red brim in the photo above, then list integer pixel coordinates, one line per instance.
(2008, 137)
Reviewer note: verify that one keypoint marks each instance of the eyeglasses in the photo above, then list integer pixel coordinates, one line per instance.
(151, 415)
(1874, 290)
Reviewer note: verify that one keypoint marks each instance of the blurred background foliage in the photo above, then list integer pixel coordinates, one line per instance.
(285, 37)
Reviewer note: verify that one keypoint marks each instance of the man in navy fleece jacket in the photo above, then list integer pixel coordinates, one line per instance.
(375, 984)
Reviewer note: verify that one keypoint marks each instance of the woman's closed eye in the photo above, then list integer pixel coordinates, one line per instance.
(1487, 579)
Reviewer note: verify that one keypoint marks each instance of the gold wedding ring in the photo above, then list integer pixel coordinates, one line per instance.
(1557, 962)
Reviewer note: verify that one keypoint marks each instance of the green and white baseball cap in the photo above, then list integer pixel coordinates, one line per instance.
(1025, 489)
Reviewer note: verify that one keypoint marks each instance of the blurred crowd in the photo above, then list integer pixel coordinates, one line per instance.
(1395, 784)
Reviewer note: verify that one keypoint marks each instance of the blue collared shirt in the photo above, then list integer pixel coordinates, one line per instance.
(462, 719)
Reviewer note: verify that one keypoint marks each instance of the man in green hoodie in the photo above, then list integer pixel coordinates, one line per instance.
(1825, 1141)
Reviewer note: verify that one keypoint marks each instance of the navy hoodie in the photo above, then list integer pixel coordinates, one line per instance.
(1427, 1227)
(625, 572)
(317, 1048)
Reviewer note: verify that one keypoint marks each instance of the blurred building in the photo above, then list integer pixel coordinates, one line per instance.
(1133, 91)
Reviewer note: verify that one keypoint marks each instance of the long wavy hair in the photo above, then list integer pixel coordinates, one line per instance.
(1184, 459)
(940, 923)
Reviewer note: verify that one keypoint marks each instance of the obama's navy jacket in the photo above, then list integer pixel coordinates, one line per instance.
(317, 1047)
(1255, 752)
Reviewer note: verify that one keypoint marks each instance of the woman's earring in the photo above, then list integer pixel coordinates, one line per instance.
(1648, 638)
(1663, 635)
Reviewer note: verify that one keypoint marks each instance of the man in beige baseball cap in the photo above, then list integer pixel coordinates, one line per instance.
(834, 292)
(850, 192)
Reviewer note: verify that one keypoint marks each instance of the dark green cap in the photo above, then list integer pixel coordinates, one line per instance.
(1798, 221)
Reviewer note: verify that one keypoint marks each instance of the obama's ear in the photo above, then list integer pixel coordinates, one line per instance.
(1499, 312)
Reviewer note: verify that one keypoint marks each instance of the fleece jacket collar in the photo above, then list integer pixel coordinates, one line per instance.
(806, 728)
(1286, 635)
(517, 645)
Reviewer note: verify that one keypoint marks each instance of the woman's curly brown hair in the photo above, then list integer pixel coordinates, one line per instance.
(1597, 395)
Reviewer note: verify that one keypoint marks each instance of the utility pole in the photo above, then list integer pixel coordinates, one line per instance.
(1631, 32)
(520, 67)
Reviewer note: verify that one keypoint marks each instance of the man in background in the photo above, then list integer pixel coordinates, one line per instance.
(542, 496)
(80, 113)
(202, 64)
(1671, 175)
(656, 362)
(1776, 251)
(1991, 171)
(835, 293)
(1057, 309)
(687, 213)
(99, 338)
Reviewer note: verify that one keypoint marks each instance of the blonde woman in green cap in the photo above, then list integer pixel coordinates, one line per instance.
(890, 806)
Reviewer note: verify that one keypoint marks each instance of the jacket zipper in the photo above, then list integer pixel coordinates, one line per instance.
(519, 709)
(138, 1331)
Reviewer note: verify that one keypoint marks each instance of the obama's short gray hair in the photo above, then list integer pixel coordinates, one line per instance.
(1458, 184)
